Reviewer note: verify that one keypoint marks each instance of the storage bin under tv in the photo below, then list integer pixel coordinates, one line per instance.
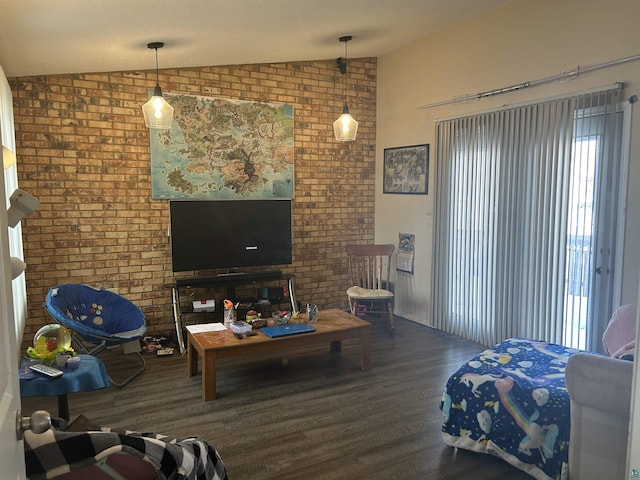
(228, 281)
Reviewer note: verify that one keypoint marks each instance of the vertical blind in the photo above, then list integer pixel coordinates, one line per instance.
(504, 217)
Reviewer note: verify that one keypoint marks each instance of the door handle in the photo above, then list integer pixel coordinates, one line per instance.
(38, 422)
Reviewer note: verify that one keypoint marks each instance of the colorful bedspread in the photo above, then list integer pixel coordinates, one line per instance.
(511, 401)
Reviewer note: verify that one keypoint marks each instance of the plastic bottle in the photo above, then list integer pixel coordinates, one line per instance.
(229, 313)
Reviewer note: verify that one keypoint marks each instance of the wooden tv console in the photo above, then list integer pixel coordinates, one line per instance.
(229, 281)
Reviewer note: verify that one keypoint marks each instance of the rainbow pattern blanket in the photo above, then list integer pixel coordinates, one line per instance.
(511, 401)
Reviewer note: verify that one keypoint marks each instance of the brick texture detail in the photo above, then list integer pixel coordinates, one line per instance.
(83, 150)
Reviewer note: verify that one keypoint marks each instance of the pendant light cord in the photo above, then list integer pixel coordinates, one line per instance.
(155, 46)
(344, 81)
(345, 39)
(157, 74)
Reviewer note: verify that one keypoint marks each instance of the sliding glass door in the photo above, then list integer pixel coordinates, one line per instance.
(594, 186)
(526, 201)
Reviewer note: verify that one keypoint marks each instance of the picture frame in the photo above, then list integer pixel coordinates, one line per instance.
(406, 170)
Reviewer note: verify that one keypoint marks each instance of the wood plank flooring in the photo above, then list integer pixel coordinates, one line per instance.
(307, 414)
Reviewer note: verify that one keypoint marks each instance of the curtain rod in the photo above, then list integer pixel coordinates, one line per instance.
(533, 83)
(507, 106)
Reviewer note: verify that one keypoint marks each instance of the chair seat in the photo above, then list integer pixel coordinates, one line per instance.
(101, 318)
(96, 314)
(368, 293)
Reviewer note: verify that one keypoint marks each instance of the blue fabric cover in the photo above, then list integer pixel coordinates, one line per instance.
(90, 375)
(95, 314)
(511, 401)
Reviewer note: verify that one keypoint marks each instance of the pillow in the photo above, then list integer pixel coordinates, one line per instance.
(619, 338)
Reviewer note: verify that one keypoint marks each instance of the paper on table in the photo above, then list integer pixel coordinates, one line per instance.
(206, 327)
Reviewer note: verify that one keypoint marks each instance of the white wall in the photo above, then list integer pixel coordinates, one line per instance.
(519, 42)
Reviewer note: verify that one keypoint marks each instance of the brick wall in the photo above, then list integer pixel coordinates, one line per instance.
(83, 150)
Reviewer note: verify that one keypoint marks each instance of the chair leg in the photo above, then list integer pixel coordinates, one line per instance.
(92, 349)
(353, 306)
(122, 383)
(391, 324)
(99, 348)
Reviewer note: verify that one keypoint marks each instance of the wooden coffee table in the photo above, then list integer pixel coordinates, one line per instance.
(332, 327)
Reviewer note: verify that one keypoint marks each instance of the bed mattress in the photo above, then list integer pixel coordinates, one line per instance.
(511, 401)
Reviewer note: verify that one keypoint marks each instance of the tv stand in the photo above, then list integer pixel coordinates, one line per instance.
(228, 280)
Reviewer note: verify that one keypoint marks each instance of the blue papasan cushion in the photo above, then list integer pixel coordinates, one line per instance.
(94, 312)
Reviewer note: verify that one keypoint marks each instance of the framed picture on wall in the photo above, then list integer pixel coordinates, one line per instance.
(406, 170)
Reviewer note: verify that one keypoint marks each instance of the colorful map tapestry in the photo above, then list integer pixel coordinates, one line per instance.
(222, 149)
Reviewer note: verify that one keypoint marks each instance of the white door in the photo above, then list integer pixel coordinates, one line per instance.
(11, 449)
(591, 226)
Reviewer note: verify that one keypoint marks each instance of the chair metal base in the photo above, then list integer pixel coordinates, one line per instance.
(141, 368)
(102, 346)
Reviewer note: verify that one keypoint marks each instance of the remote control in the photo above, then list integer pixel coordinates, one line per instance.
(46, 370)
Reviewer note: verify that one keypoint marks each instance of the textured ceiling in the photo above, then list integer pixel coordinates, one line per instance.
(43, 37)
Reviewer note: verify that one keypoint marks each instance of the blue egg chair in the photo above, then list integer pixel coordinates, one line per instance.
(99, 319)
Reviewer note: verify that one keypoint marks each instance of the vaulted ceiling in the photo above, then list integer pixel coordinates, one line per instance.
(43, 37)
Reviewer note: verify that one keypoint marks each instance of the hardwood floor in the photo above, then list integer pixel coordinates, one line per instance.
(307, 414)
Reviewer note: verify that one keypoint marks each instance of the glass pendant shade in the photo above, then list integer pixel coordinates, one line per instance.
(157, 112)
(345, 127)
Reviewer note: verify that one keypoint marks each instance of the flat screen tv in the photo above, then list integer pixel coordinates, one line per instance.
(229, 234)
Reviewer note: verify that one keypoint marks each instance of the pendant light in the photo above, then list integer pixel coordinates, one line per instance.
(157, 112)
(345, 127)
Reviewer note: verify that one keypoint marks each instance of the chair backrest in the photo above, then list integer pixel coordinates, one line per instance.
(370, 265)
(87, 310)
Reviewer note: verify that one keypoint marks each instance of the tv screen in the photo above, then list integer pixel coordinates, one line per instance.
(229, 234)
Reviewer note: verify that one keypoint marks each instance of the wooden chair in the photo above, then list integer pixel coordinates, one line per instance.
(370, 277)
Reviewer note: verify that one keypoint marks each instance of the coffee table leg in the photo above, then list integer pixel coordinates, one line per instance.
(366, 349)
(209, 376)
(192, 360)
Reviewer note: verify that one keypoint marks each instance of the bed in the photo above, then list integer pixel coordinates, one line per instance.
(511, 401)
